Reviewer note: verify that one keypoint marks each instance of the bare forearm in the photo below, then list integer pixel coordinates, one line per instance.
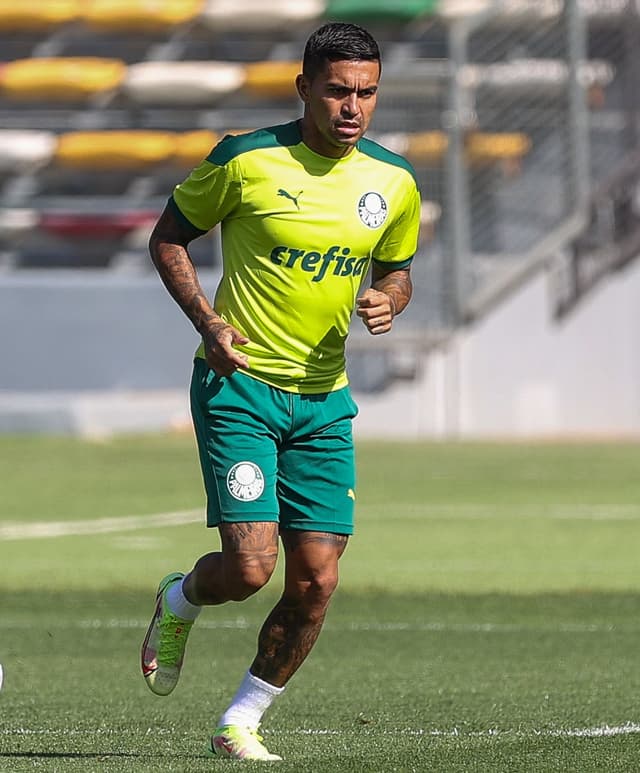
(180, 277)
(397, 285)
(168, 249)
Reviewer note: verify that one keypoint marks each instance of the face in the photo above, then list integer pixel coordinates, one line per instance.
(338, 105)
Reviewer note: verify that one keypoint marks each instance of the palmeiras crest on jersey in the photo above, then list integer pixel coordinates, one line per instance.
(372, 209)
(245, 481)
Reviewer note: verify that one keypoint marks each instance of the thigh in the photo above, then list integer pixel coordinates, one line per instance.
(248, 537)
(251, 545)
(236, 446)
(317, 482)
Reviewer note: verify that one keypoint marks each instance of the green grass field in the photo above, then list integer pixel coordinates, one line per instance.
(488, 617)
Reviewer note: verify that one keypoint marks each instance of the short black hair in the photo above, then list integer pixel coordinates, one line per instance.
(335, 42)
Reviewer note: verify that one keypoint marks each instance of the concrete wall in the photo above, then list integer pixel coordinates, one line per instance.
(98, 352)
(92, 330)
(92, 353)
(519, 374)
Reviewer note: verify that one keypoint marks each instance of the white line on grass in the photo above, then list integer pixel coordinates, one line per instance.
(601, 731)
(600, 512)
(356, 627)
(49, 529)
(598, 732)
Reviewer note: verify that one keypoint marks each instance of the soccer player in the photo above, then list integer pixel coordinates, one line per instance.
(306, 208)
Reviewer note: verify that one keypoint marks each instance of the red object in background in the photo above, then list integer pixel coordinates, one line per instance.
(95, 224)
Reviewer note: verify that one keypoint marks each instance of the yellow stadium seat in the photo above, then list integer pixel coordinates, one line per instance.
(114, 149)
(61, 78)
(487, 148)
(192, 147)
(426, 147)
(419, 148)
(236, 132)
(272, 79)
(139, 15)
(37, 15)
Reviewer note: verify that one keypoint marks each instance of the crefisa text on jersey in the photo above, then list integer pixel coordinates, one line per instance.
(318, 263)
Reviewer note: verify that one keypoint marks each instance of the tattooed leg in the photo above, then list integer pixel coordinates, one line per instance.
(292, 627)
(248, 558)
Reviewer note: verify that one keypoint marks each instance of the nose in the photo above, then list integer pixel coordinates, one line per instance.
(350, 105)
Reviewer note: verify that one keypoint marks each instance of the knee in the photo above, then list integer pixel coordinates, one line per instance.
(325, 585)
(245, 578)
(315, 593)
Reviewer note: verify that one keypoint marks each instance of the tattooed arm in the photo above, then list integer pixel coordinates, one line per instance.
(388, 295)
(168, 248)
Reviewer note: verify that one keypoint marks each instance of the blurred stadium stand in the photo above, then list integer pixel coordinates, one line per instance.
(520, 117)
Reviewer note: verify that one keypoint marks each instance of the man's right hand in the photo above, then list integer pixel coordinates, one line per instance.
(219, 342)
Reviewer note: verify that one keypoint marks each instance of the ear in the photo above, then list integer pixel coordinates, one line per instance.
(302, 85)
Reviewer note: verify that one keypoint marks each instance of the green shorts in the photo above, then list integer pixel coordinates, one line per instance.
(271, 455)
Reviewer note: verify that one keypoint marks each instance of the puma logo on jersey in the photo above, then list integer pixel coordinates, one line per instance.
(287, 195)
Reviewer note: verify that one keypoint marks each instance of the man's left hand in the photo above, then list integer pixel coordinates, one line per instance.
(376, 310)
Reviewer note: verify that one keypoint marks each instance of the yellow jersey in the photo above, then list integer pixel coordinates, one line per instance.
(299, 231)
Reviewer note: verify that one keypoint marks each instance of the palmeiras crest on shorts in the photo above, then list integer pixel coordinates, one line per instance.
(245, 481)
(372, 209)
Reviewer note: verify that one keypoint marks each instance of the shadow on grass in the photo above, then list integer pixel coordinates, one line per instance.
(64, 755)
(81, 755)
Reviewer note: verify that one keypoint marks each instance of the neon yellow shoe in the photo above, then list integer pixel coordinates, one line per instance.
(239, 743)
(163, 647)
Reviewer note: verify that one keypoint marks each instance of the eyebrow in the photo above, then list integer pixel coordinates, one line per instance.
(344, 87)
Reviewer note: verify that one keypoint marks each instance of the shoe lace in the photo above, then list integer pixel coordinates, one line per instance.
(173, 636)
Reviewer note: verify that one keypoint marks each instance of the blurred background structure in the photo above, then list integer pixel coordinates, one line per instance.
(520, 117)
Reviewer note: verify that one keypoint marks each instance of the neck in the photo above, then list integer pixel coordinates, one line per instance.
(314, 140)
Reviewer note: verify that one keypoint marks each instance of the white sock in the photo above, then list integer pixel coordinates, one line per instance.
(250, 702)
(178, 603)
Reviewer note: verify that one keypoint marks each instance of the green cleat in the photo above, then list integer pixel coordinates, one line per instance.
(163, 646)
(239, 743)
